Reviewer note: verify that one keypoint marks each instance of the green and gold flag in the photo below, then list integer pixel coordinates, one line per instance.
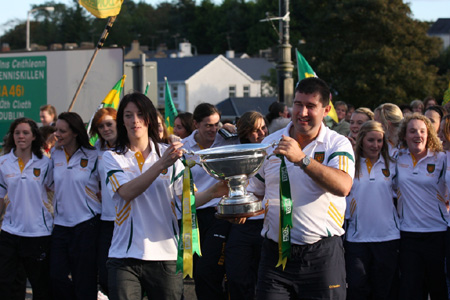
(170, 112)
(112, 99)
(102, 9)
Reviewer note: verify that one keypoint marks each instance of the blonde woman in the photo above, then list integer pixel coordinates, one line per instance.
(422, 210)
(372, 237)
(390, 116)
(358, 118)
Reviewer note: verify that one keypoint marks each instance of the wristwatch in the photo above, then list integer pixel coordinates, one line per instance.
(304, 162)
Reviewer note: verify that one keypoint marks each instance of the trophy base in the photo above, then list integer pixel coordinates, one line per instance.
(239, 207)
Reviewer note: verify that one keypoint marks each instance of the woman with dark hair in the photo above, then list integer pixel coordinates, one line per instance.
(372, 237)
(162, 129)
(27, 225)
(435, 114)
(183, 125)
(144, 177)
(422, 210)
(77, 211)
(278, 116)
(104, 125)
(243, 248)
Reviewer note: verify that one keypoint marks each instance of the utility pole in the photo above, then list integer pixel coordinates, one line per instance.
(285, 65)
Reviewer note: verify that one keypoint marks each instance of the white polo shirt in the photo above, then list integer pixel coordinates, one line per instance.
(108, 205)
(146, 227)
(202, 180)
(27, 209)
(76, 184)
(316, 213)
(421, 192)
(371, 214)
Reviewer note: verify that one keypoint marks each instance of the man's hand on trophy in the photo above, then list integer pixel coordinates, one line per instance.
(290, 148)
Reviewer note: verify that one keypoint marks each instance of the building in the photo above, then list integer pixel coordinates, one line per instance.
(441, 29)
(211, 78)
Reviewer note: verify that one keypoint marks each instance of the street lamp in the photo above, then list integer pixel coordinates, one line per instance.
(47, 8)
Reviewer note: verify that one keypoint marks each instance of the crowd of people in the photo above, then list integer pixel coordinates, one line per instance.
(354, 209)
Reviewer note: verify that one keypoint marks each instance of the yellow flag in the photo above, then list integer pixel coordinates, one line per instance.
(332, 114)
(101, 8)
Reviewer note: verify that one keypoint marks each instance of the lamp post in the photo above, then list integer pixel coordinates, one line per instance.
(47, 8)
(285, 65)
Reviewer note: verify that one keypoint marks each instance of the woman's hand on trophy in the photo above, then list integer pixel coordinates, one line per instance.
(217, 190)
(172, 153)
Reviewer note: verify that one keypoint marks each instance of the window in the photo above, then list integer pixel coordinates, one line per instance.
(161, 91)
(232, 91)
(246, 91)
(174, 91)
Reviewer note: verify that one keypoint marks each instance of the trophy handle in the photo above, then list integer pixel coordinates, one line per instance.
(274, 144)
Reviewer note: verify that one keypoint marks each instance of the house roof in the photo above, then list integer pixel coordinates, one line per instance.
(181, 69)
(254, 67)
(441, 26)
(235, 107)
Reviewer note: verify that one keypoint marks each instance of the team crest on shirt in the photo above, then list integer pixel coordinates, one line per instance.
(36, 172)
(164, 172)
(319, 156)
(430, 168)
(386, 172)
(84, 162)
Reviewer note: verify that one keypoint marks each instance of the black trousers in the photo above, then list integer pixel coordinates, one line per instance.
(29, 254)
(242, 254)
(73, 263)
(371, 269)
(104, 243)
(422, 265)
(209, 270)
(315, 271)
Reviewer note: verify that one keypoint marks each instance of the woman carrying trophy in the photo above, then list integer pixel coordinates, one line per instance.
(144, 178)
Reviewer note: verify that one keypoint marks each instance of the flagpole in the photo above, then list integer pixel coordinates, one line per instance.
(99, 46)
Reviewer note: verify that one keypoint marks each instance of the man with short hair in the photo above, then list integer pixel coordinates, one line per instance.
(305, 261)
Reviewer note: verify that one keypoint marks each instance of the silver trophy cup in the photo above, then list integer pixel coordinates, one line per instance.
(235, 164)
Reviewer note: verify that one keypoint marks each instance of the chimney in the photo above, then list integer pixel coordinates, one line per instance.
(229, 54)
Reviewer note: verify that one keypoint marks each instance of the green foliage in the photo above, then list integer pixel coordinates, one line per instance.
(370, 52)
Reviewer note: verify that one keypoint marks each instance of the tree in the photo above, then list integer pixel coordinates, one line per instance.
(370, 52)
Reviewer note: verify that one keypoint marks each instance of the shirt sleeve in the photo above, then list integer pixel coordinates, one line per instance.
(115, 176)
(341, 156)
(48, 180)
(3, 186)
(257, 183)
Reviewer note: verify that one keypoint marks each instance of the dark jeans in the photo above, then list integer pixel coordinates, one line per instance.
(371, 269)
(315, 271)
(29, 254)
(104, 243)
(129, 278)
(422, 265)
(242, 254)
(209, 270)
(73, 264)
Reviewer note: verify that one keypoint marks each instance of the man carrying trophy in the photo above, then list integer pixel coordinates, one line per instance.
(304, 185)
